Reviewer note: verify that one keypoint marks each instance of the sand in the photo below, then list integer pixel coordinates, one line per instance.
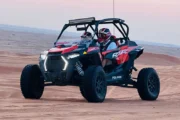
(66, 103)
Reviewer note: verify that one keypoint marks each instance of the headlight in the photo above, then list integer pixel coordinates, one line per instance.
(43, 55)
(72, 56)
(66, 63)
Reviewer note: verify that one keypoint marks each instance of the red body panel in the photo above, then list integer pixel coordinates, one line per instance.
(123, 56)
(106, 52)
(63, 50)
(70, 49)
(92, 49)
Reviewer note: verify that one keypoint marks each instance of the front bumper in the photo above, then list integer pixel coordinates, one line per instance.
(57, 68)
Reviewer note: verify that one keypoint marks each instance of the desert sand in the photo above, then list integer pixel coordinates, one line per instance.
(66, 103)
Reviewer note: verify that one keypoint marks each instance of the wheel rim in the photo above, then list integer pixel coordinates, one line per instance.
(153, 84)
(100, 86)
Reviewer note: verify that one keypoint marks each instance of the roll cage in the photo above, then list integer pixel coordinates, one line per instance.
(89, 22)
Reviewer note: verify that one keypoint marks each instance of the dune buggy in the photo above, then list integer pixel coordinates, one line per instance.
(76, 63)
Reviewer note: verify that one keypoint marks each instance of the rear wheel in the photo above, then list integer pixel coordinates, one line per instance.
(148, 84)
(32, 82)
(94, 85)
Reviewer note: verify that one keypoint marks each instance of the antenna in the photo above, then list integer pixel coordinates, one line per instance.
(114, 15)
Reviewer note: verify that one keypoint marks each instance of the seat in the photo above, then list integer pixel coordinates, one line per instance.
(117, 42)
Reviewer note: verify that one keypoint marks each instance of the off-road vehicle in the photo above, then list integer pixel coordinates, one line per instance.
(77, 63)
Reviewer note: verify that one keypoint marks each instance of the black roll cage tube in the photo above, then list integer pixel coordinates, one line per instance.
(113, 21)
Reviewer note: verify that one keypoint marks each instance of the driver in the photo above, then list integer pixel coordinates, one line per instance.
(86, 36)
(106, 42)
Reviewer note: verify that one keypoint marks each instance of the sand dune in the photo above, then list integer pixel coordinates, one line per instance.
(67, 103)
(158, 59)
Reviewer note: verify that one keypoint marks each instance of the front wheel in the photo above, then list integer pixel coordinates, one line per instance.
(32, 82)
(82, 91)
(148, 84)
(94, 85)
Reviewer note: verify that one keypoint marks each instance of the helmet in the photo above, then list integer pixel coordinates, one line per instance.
(86, 36)
(104, 34)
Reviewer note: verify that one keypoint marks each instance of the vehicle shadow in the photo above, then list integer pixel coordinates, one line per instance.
(64, 100)
(107, 100)
(130, 100)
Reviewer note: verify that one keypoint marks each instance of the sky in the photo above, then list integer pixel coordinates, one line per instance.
(149, 20)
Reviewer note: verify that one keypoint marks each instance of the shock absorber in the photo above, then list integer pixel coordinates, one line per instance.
(79, 69)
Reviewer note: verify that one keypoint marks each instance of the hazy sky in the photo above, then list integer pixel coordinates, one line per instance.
(149, 20)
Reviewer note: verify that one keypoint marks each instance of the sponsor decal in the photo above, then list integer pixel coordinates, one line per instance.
(72, 56)
(115, 55)
(116, 77)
